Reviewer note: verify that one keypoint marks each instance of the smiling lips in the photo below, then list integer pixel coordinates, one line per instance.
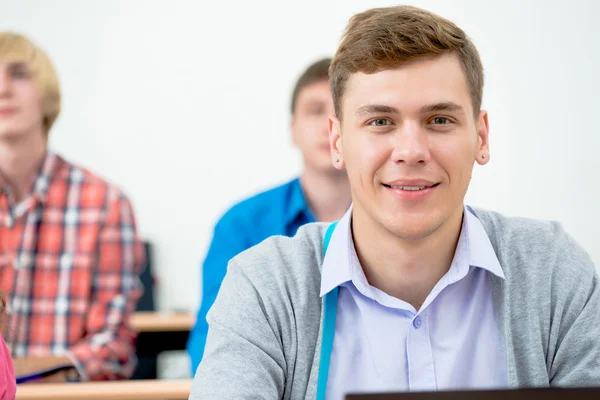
(411, 189)
(7, 111)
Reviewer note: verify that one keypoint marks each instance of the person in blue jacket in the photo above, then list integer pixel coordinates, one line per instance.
(321, 193)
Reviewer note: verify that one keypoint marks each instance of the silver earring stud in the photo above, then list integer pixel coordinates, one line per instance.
(483, 156)
(337, 160)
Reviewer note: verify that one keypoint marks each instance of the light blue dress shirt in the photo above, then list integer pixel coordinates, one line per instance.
(383, 344)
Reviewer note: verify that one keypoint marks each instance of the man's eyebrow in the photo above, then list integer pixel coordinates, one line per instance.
(18, 64)
(446, 106)
(314, 101)
(376, 108)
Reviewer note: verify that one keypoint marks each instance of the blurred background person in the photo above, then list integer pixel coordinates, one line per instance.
(321, 193)
(70, 255)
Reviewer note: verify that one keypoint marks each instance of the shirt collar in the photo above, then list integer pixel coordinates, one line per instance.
(480, 249)
(47, 169)
(45, 174)
(297, 204)
(341, 264)
(337, 265)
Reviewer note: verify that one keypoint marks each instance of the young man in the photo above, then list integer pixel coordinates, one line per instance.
(321, 193)
(416, 291)
(70, 255)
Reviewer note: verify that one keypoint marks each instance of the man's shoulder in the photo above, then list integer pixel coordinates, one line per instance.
(526, 246)
(97, 189)
(287, 261)
(260, 205)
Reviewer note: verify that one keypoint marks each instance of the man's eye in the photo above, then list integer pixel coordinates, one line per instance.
(440, 121)
(380, 122)
(19, 72)
(316, 111)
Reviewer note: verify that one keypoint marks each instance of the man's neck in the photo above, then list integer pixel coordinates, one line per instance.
(407, 270)
(327, 193)
(20, 159)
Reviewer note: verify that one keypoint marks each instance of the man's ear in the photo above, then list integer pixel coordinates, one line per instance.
(293, 131)
(335, 142)
(482, 155)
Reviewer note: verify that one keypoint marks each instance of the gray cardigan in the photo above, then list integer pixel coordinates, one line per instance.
(265, 329)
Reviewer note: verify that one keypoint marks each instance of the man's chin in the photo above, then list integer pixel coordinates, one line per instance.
(412, 227)
(9, 131)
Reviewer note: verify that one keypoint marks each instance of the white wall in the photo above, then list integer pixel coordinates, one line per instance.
(184, 104)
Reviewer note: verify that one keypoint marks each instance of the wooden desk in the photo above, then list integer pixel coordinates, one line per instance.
(115, 390)
(147, 321)
(158, 332)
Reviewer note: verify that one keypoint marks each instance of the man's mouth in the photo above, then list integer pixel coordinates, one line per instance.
(410, 188)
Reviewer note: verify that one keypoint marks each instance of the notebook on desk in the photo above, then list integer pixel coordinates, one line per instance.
(519, 394)
(43, 373)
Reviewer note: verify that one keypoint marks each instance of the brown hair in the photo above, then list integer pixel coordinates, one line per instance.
(316, 72)
(385, 38)
(15, 47)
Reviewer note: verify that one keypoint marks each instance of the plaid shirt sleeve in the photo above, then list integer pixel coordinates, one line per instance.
(108, 349)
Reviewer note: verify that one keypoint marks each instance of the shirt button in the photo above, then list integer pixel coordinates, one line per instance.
(417, 322)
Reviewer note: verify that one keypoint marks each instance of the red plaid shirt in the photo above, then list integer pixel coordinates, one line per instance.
(69, 266)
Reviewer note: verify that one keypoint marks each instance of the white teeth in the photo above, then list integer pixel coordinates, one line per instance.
(408, 187)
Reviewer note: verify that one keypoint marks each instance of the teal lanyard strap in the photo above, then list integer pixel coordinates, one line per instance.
(329, 314)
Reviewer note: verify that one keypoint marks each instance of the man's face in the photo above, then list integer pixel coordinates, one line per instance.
(408, 141)
(314, 105)
(20, 100)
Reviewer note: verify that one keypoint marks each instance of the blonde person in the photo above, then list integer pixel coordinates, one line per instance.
(411, 290)
(70, 256)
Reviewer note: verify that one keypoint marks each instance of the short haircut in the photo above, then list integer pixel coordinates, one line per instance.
(15, 47)
(316, 72)
(386, 38)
